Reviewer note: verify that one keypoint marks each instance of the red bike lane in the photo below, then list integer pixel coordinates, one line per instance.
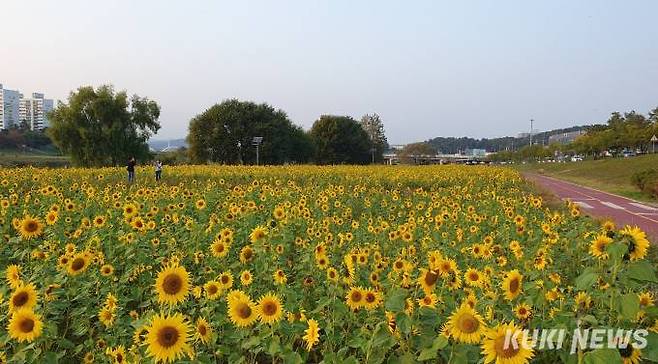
(621, 210)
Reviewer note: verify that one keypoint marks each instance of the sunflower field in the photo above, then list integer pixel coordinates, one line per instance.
(308, 264)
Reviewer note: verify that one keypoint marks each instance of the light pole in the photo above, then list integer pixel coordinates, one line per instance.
(372, 151)
(531, 121)
(257, 141)
(654, 139)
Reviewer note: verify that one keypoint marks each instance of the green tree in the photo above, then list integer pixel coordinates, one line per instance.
(373, 126)
(414, 153)
(102, 127)
(340, 139)
(224, 133)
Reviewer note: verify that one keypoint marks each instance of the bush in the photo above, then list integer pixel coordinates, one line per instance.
(646, 181)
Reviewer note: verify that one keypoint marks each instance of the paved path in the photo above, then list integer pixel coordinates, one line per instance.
(622, 210)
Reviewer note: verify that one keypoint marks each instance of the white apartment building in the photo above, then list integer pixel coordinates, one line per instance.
(9, 108)
(34, 111)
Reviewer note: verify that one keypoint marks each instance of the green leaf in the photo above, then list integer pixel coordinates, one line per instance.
(431, 353)
(642, 271)
(629, 306)
(586, 280)
(403, 322)
(651, 351)
(395, 300)
(600, 356)
(251, 342)
(616, 251)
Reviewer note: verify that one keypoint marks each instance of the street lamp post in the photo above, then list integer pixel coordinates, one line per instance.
(256, 141)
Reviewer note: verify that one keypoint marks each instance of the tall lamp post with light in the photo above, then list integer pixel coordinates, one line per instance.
(256, 141)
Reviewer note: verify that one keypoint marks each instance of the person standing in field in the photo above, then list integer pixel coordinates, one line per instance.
(158, 170)
(130, 167)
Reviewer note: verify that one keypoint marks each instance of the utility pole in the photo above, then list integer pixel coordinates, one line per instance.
(531, 127)
(256, 141)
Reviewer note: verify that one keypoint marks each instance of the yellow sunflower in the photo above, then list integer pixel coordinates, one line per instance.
(172, 284)
(30, 227)
(246, 278)
(226, 280)
(13, 275)
(241, 310)
(24, 325)
(219, 248)
(203, 330)
(371, 299)
(638, 245)
(498, 347)
(78, 264)
(24, 296)
(522, 311)
(311, 334)
(512, 284)
(598, 246)
(213, 290)
(427, 280)
(355, 298)
(106, 316)
(270, 309)
(168, 338)
(257, 234)
(466, 325)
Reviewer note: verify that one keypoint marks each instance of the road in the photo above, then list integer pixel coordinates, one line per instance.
(622, 210)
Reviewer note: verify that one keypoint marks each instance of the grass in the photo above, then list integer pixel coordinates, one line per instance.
(612, 174)
(14, 158)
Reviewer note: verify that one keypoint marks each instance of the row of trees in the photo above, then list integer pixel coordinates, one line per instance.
(224, 134)
(627, 132)
(19, 137)
(99, 127)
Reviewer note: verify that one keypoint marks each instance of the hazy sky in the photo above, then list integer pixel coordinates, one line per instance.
(429, 68)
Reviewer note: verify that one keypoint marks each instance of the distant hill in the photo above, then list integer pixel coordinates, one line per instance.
(451, 145)
(161, 144)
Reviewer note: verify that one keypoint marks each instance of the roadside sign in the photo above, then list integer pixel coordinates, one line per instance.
(654, 138)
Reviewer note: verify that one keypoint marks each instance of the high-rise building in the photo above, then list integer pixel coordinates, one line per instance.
(9, 108)
(34, 111)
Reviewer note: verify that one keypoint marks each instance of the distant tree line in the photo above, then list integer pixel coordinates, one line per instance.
(452, 145)
(102, 127)
(19, 137)
(628, 132)
(224, 134)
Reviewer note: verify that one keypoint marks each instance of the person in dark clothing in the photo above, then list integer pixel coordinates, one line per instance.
(130, 167)
(158, 170)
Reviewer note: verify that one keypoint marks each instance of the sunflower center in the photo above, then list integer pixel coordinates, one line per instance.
(370, 297)
(20, 299)
(212, 289)
(172, 284)
(224, 279)
(356, 296)
(31, 226)
(247, 254)
(474, 276)
(505, 349)
(26, 325)
(514, 285)
(468, 323)
(626, 352)
(77, 264)
(244, 311)
(269, 308)
(168, 336)
(202, 330)
(219, 248)
(430, 278)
